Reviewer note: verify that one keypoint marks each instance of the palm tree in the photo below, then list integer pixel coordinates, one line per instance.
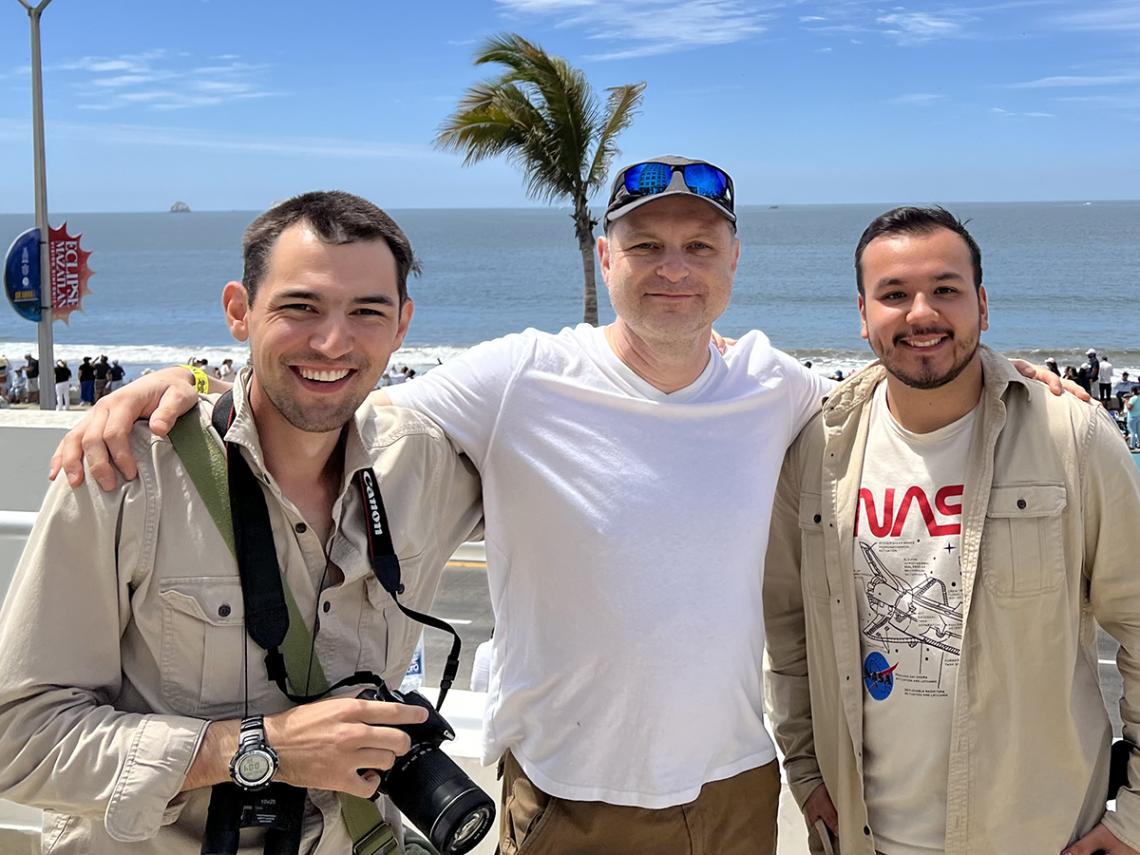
(542, 114)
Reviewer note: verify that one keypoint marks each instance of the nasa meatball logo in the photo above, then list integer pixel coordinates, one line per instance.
(878, 676)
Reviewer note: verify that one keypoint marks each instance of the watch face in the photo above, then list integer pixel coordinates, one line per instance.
(254, 768)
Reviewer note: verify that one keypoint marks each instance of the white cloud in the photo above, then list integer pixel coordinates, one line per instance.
(156, 80)
(152, 136)
(1114, 18)
(918, 98)
(811, 19)
(1078, 80)
(910, 28)
(999, 111)
(649, 27)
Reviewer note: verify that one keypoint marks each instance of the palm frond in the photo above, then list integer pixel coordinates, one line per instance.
(621, 107)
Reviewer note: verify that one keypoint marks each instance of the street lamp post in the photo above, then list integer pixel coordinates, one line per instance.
(47, 356)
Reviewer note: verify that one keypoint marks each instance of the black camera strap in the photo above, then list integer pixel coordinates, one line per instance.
(266, 610)
(386, 568)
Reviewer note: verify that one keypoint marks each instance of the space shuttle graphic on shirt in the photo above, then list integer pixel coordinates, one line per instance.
(902, 613)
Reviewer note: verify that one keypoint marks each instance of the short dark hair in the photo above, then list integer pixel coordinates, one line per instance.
(910, 220)
(337, 218)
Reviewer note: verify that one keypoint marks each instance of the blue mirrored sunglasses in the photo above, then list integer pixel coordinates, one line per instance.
(703, 179)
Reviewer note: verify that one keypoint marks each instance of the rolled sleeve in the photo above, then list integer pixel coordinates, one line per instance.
(147, 788)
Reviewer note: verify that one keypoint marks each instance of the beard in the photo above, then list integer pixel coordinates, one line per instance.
(928, 375)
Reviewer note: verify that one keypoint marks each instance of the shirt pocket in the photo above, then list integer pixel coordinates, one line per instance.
(813, 569)
(1021, 547)
(203, 641)
(388, 637)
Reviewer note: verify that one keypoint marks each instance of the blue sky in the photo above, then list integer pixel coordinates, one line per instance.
(231, 105)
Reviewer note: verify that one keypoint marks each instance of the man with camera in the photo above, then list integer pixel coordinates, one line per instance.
(946, 538)
(152, 690)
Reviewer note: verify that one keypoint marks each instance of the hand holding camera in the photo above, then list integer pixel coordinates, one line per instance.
(341, 744)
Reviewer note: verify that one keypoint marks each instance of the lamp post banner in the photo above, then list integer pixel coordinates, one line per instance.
(22, 275)
(69, 272)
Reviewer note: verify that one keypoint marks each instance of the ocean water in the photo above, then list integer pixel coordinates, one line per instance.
(1061, 277)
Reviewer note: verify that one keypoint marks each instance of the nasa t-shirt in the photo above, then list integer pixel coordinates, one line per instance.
(908, 582)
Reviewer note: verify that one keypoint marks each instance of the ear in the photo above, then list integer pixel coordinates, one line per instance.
(862, 317)
(235, 306)
(406, 312)
(604, 257)
(983, 308)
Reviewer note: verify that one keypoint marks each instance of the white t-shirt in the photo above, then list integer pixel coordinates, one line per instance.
(626, 531)
(1106, 372)
(908, 580)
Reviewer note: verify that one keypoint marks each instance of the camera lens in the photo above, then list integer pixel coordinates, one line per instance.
(440, 800)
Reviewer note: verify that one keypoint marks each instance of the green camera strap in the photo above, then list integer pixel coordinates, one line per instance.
(205, 463)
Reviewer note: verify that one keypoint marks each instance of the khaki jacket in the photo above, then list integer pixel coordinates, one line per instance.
(1051, 506)
(121, 635)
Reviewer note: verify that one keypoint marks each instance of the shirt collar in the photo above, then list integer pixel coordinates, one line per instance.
(243, 432)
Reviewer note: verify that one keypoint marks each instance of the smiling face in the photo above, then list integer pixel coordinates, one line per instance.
(669, 267)
(920, 311)
(325, 321)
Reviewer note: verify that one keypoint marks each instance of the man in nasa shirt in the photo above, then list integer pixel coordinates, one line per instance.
(944, 540)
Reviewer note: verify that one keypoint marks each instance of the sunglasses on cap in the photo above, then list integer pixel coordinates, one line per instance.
(703, 179)
(636, 184)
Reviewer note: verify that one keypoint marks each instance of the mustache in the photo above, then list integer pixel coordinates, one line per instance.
(923, 331)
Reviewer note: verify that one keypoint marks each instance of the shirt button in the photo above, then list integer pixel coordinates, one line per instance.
(224, 610)
(326, 607)
(867, 830)
(300, 528)
(1021, 504)
(817, 518)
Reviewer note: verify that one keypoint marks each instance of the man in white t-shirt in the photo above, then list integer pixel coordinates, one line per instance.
(945, 539)
(627, 481)
(1105, 379)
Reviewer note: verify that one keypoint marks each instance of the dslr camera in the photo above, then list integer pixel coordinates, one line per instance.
(447, 807)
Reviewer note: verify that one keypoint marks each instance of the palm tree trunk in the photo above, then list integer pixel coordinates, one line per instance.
(584, 229)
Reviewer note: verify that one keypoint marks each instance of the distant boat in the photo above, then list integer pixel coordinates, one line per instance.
(180, 208)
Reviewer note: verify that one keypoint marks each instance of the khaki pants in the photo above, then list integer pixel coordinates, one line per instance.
(736, 816)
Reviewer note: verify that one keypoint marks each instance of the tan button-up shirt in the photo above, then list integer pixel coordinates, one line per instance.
(1050, 507)
(122, 635)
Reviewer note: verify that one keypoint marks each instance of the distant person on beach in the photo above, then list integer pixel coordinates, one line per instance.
(1133, 422)
(115, 375)
(86, 378)
(1084, 377)
(1051, 364)
(3, 378)
(1105, 376)
(32, 372)
(227, 372)
(126, 675)
(628, 474)
(945, 540)
(102, 374)
(1122, 388)
(62, 385)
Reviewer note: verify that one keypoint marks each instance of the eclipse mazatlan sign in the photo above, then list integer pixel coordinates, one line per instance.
(68, 267)
(67, 263)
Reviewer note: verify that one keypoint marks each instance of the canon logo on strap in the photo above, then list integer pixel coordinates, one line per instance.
(373, 505)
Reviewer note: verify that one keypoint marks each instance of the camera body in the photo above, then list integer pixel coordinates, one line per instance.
(428, 787)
